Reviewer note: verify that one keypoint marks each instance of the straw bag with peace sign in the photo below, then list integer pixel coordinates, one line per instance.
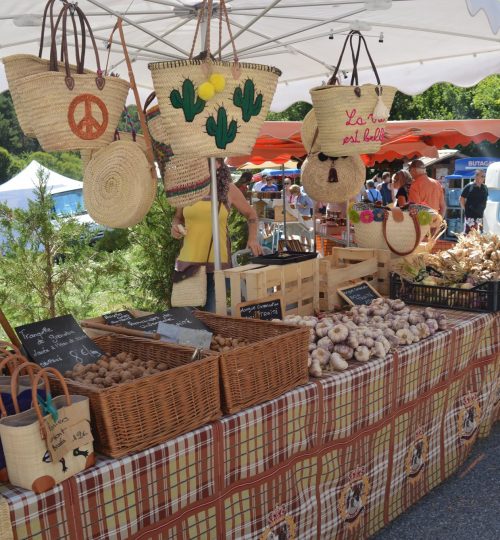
(71, 111)
(351, 119)
(211, 107)
(51, 441)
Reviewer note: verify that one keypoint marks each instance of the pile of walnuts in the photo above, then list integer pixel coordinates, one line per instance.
(111, 370)
(222, 344)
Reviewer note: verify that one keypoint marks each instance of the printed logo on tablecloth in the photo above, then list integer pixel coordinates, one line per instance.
(416, 456)
(281, 526)
(354, 496)
(468, 417)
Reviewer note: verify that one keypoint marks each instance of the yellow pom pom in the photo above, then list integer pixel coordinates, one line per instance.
(206, 91)
(218, 81)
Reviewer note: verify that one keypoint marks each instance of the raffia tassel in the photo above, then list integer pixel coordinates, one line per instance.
(381, 112)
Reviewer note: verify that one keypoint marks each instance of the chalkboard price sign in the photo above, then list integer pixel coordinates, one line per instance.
(58, 343)
(266, 309)
(359, 294)
(118, 318)
(178, 316)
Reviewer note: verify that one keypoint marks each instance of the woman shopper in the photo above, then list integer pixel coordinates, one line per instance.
(193, 224)
(401, 182)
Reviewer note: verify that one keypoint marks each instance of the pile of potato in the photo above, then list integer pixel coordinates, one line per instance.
(111, 370)
(222, 344)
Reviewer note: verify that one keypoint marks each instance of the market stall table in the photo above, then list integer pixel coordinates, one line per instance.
(338, 457)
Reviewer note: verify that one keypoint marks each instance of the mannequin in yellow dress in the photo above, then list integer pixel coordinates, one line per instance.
(196, 229)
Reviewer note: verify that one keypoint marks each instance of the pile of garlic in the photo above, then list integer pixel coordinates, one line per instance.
(365, 332)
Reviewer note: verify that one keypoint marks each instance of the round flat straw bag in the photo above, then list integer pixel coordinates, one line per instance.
(308, 132)
(118, 187)
(332, 179)
(401, 231)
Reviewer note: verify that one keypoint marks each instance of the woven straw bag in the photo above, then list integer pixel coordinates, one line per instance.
(332, 179)
(228, 123)
(73, 111)
(352, 119)
(192, 290)
(118, 188)
(19, 66)
(309, 132)
(400, 231)
(129, 136)
(186, 180)
(25, 439)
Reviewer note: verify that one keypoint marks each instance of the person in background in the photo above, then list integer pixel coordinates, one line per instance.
(401, 182)
(303, 202)
(193, 224)
(244, 181)
(372, 194)
(425, 190)
(385, 188)
(473, 201)
(270, 185)
(287, 184)
(260, 184)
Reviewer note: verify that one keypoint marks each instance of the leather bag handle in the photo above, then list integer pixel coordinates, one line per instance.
(416, 224)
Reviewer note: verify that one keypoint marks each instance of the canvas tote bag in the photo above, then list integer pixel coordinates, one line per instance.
(42, 450)
(211, 107)
(70, 111)
(352, 119)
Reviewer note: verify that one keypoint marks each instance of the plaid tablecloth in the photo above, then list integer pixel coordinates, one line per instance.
(336, 458)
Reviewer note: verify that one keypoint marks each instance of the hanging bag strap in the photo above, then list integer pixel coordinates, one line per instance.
(416, 224)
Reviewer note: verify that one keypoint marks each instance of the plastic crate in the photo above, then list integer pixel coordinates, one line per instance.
(484, 297)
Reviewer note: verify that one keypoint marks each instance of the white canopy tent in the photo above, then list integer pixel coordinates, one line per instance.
(415, 43)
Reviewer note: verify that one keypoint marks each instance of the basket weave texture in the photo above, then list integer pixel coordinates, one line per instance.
(136, 415)
(118, 188)
(339, 134)
(400, 234)
(86, 154)
(18, 66)
(273, 363)
(351, 173)
(217, 127)
(56, 113)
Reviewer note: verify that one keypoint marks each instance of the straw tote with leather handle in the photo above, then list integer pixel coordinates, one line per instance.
(400, 231)
(27, 441)
(185, 180)
(120, 183)
(19, 66)
(72, 111)
(351, 119)
(210, 107)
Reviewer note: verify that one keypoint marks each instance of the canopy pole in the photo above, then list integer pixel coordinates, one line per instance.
(213, 171)
(284, 206)
(348, 223)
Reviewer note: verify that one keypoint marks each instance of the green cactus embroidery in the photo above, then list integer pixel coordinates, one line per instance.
(245, 99)
(223, 133)
(188, 101)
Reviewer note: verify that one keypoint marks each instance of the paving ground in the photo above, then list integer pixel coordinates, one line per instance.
(465, 507)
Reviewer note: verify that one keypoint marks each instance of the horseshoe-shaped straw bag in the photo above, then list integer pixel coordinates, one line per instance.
(120, 181)
(71, 111)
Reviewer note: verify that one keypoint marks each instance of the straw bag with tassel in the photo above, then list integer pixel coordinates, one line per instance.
(351, 119)
(210, 107)
(43, 448)
(72, 111)
(328, 179)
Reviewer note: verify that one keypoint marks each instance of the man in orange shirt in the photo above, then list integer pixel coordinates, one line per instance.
(425, 190)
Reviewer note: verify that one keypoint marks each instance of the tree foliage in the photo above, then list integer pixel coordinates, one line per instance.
(296, 112)
(48, 267)
(11, 136)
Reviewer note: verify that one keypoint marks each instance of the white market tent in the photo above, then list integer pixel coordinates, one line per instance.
(17, 191)
(423, 41)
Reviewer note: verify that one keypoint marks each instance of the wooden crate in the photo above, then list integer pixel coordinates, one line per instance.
(335, 272)
(298, 283)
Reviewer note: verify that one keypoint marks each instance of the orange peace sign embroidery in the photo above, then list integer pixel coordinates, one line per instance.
(88, 127)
